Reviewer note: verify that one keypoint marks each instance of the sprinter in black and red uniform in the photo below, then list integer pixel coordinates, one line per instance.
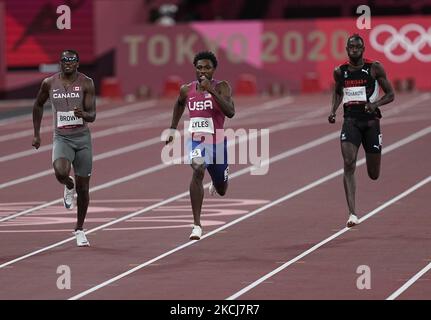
(357, 86)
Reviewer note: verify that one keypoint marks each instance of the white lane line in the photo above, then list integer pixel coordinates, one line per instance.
(330, 136)
(16, 119)
(101, 115)
(395, 110)
(105, 155)
(273, 129)
(320, 244)
(149, 122)
(246, 170)
(162, 166)
(156, 140)
(25, 153)
(409, 283)
(316, 183)
(29, 104)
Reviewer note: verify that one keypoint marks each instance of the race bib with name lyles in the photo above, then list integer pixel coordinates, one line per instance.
(68, 120)
(354, 94)
(202, 125)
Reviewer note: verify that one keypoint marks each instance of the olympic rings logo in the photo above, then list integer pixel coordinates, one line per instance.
(411, 47)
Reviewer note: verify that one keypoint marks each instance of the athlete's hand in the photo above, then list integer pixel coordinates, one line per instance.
(171, 136)
(370, 107)
(205, 84)
(79, 112)
(170, 139)
(331, 118)
(36, 142)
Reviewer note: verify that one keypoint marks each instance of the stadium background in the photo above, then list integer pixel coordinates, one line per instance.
(276, 236)
(265, 47)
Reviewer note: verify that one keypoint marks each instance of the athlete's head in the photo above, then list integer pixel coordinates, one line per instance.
(205, 63)
(69, 61)
(355, 47)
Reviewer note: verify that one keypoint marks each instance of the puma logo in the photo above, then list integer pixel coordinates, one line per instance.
(366, 71)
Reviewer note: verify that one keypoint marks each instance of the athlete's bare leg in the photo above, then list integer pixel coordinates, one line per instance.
(373, 165)
(62, 170)
(197, 189)
(221, 188)
(82, 200)
(350, 153)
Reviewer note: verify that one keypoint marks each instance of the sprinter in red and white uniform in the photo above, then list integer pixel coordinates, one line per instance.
(73, 100)
(357, 85)
(209, 101)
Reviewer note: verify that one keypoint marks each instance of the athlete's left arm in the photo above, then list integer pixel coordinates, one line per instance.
(88, 113)
(380, 76)
(223, 95)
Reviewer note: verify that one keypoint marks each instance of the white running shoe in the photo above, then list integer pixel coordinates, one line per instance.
(81, 239)
(196, 233)
(212, 190)
(69, 195)
(353, 220)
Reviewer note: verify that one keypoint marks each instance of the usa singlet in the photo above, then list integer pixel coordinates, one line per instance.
(206, 117)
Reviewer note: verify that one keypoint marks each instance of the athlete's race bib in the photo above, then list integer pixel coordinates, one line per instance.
(356, 94)
(68, 120)
(197, 153)
(203, 125)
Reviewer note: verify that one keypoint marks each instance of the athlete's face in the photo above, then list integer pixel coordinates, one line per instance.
(204, 68)
(355, 49)
(69, 63)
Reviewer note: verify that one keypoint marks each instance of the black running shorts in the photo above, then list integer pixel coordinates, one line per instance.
(365, 132)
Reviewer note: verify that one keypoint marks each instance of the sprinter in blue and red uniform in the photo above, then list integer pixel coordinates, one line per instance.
(209, 102)
(357, 85)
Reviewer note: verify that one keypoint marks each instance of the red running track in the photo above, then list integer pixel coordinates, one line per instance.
(247, 234)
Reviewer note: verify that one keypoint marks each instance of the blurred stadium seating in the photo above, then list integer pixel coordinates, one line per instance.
(101, 30)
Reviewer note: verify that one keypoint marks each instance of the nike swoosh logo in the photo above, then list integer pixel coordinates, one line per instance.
(55, 90)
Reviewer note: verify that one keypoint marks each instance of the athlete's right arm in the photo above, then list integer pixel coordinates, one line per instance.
(179, 107)
(41, 98)
(337, 95)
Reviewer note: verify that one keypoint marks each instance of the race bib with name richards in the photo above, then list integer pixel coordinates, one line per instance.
(354, 94)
